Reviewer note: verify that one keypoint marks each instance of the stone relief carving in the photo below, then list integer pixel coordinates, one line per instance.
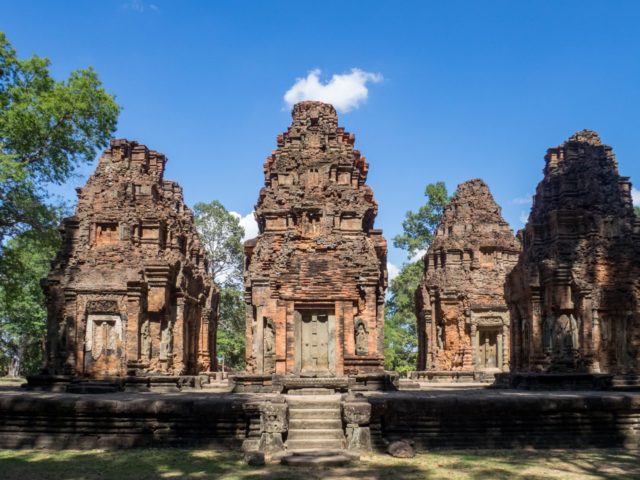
(269, 337)
(439, 335)
(361, 337)
(102, 306)
(145, 340)
(165, 341)
(565, 335)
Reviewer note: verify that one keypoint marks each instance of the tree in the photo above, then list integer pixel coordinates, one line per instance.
(400, 319)
(47, 128)
(400, 323)
(418, 228)
(23, 316)
(221, 235)
(637, 210)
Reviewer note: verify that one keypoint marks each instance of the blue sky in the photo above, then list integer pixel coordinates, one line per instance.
(468, 89)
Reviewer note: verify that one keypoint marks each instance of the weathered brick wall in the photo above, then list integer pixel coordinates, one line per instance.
(129, 290)
(574, 294)
(317, 251)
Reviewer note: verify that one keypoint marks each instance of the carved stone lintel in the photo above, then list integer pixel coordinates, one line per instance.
(102, 307)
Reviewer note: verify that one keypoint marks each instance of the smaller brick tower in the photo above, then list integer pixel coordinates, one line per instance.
(129, 292)
(463, 320)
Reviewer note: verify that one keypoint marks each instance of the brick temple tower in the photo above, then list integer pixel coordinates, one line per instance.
(315, 277)
(129, 292)
(463, 319)
(574, 295)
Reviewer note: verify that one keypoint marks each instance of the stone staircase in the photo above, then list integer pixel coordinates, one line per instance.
(315, 421)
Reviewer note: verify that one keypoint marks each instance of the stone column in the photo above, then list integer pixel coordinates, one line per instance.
(249, 354)
(258, 341)
(344, 310)
(336, 357)
(179, 336)
(474, 345)
(505, 347)
(535, 338)
(500, 347)
(281, 337)
(433, 342)
(73, 343)
(596, 340)
(134, 313)
(380, 327)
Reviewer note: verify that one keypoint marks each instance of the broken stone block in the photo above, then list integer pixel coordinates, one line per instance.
(254, 459)
(401, 449)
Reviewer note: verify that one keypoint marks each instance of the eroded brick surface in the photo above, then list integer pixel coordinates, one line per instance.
(316, 274)
(463, 320)
(574, 294)
(128, 291)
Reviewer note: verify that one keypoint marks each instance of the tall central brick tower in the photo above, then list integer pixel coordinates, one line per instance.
(315, 276)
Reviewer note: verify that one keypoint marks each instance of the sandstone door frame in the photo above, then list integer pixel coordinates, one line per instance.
(94, 361)
(303, 311)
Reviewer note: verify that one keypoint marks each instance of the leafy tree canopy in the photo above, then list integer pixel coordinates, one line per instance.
(47, 128)
(400, 336)
(637, 210)
(23, 316)
(221, 235)
(419, 227)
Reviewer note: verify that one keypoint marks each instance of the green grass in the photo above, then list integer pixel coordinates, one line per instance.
(143, 464)
(12, 381)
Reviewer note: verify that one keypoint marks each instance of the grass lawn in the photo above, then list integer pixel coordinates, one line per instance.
(11, 381)
(206, 464)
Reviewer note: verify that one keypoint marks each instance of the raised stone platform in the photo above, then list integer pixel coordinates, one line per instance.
(448, 376)
(483, 418)
(556, 381)
(210, 382)
(461, 419)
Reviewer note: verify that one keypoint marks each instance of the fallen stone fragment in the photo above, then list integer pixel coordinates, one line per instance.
(401, 449)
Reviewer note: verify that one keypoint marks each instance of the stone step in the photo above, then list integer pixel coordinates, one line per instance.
(315, 423)
(314, 444)
(314, 401)
(314, 413)
(311, 391)
(317, 458)
(315, 434)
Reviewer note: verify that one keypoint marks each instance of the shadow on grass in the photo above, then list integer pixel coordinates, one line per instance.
(144, 464)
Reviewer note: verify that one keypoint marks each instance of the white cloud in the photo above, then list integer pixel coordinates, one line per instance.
(248, 222)
(140, 6)
(635, 195)
(392, 271)
(524, 216)
(345, 92)
(417, 256)
(526, 200)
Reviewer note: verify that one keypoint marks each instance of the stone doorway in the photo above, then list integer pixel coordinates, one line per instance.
(315, 345)
(488, 349)
(103, 345)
